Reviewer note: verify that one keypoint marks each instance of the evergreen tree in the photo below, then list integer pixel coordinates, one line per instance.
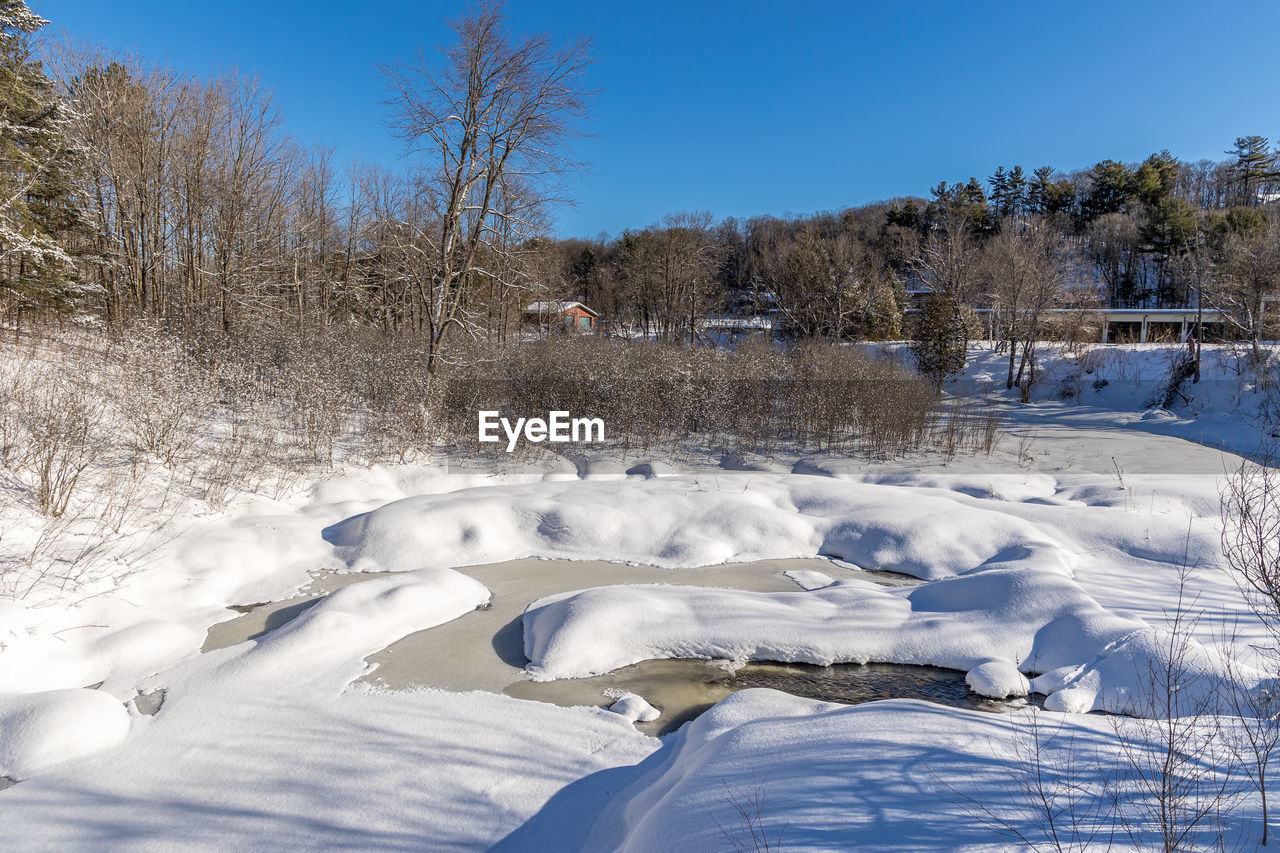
(1110, 189)
(1017, 191)
(1156, 179)
(907, 216)
(1047, 196)
(941, 338)
(999, 183)
(966, 202)
(1008, 191)
(583, 269)
(36, 168)
(1255, 166)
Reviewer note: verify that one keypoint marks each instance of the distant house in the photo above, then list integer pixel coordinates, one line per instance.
(560, 316)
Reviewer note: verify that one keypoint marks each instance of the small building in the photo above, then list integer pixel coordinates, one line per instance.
(560, 316)
(728, 330)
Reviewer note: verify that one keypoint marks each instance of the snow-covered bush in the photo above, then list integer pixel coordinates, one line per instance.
(61, 421)
(651, 395)
(162, 395)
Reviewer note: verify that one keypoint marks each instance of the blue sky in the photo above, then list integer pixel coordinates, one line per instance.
(751, 107)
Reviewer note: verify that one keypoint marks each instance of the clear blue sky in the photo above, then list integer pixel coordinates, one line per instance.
(753, 107)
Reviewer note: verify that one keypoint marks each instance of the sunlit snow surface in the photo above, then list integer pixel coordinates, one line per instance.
(1056, 556)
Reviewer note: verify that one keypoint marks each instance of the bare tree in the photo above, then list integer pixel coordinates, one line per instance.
(1251, 274)
(1254, 736)
(1250, 509)
(1024, 269)
(491, 111)
(250, 180)
(1178, 779)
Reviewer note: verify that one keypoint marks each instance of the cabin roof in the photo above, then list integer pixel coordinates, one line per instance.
(556, 308)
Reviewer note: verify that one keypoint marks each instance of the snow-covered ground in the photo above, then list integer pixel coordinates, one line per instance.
(1056, 558)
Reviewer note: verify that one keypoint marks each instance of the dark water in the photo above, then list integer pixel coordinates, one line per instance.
(853, 684)
(684, 689)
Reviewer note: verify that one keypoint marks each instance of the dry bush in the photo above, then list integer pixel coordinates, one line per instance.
(61, 422)
(259, 407)
(318, 408)
(14, 387)
(244, 456)
(757, 399)
(163, 395)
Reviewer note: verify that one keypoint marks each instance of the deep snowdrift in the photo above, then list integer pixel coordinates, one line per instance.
(894, 775)
(1002, 572)
(993, 621)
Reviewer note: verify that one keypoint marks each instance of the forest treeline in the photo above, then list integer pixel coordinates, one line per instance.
(135, 191)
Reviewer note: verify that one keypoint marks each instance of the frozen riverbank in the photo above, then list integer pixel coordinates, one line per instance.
(1083, 519)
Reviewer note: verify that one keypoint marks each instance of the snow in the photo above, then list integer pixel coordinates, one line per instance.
(38, 731)
(272, 742)
(1014, 610)
(1231, 407)
(220, 769)
(997, 679)
(358, 619)
(809, 580)
(1051, 565)
(893, 775)
(634, 708)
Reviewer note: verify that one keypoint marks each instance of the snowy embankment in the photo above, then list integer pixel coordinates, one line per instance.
(1001, 590)
(1037, 572)
(1060, 554)
(762, 766)
(266, 744)
(1235, 406)
(990, 623)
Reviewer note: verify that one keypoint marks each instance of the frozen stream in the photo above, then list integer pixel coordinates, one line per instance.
(484, 650)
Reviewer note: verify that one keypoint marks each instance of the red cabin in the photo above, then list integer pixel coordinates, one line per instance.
(561, 316)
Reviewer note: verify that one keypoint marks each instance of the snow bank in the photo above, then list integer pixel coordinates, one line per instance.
(41, 730)
(1016, 572)
(220, 768)
(893, 775)
(266, 740)
(981, 622)
(352, 622)
(688, 520)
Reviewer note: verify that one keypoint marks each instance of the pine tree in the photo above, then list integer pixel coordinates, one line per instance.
(941, 339)
(1255, 166)
(1008, 191)
(1156, 179)
(1110, 189)
(36, 168)
(583, 269)
(1017, 191)
(999, 183)
(1047, 196)
(907, 216)
(963, 202)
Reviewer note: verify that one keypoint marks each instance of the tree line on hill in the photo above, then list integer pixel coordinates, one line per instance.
(132, 191)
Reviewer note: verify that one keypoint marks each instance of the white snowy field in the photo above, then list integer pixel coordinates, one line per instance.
(1051, 565)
